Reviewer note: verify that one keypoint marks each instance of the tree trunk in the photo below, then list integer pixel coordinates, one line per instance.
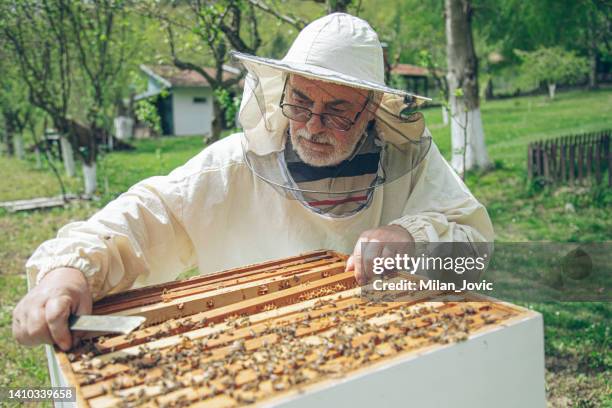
(551, 90)
(8, 143)
(467, 135)
(217, 123)
(38, 158)
(18, 146)
(337, 6)
(462, 126)
(592, 49)
(67, 156)
(8, 137)
(489, 90)
(593, 69)
(89, 161)
(444, 115)
(89, 176)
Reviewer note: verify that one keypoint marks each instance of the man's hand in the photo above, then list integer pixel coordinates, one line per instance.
(42, 315)
(383, 235)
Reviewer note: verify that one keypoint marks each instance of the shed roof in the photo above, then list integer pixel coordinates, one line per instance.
(409, 70)
(171, 76)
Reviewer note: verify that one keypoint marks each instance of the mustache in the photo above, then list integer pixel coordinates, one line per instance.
(316, 138)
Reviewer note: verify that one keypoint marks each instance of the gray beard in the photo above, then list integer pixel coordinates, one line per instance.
(316, 160)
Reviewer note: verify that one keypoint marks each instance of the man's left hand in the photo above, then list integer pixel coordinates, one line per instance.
(384, 235)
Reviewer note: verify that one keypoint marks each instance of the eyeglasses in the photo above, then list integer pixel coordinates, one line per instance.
(329, 120)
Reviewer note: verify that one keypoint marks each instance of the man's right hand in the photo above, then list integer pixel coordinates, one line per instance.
(42, 315)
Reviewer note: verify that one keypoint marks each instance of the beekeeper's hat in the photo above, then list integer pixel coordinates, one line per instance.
(341, 49)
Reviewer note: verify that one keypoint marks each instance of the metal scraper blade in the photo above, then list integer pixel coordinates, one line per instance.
(110, 324)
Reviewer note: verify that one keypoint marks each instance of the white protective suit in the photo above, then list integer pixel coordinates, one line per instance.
(216, 212)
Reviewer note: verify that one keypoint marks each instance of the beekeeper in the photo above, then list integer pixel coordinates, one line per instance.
(329, 157)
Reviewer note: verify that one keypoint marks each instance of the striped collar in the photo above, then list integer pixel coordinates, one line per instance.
(340, 190)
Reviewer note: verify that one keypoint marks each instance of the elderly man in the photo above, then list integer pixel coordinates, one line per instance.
(330, 157)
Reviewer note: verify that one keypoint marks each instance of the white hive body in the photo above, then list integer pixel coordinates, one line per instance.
(295, 332)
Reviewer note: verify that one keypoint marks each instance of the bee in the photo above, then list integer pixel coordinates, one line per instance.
(97, 364)
(461, 336)
(115, 385)
(246, 398)
(469, 310)
(487, 318)
(238, 345)
(427, 320)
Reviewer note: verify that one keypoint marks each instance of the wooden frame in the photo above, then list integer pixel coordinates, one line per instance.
(309, 328)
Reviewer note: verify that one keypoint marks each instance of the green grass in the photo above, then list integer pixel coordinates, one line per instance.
(22, 180)
(520, 212)
(577, 335)
(511, 124)
(153, 157)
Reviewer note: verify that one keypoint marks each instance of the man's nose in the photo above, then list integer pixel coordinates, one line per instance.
(315, 125)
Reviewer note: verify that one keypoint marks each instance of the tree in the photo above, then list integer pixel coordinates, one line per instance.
(36, 40)
(15, 110)
(219, 25)
(467, 134)
(99, 32)
(338, 6)
(552, 65)
(59, 42)
(580, 25)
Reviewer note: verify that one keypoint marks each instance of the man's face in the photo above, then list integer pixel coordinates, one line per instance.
(315, 143)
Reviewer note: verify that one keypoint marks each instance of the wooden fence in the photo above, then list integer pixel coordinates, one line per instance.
(573, 159)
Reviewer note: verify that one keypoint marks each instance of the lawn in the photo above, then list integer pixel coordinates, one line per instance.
(577, 340)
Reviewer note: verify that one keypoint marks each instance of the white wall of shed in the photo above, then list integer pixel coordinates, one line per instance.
(192, 118)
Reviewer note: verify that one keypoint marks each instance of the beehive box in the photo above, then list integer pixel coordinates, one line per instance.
(296, 332)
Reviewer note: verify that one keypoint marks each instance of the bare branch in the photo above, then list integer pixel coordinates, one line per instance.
(185, 65)
(294, 21)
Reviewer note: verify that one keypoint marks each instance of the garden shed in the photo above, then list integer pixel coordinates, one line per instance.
(183, 98)
(415, 77)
